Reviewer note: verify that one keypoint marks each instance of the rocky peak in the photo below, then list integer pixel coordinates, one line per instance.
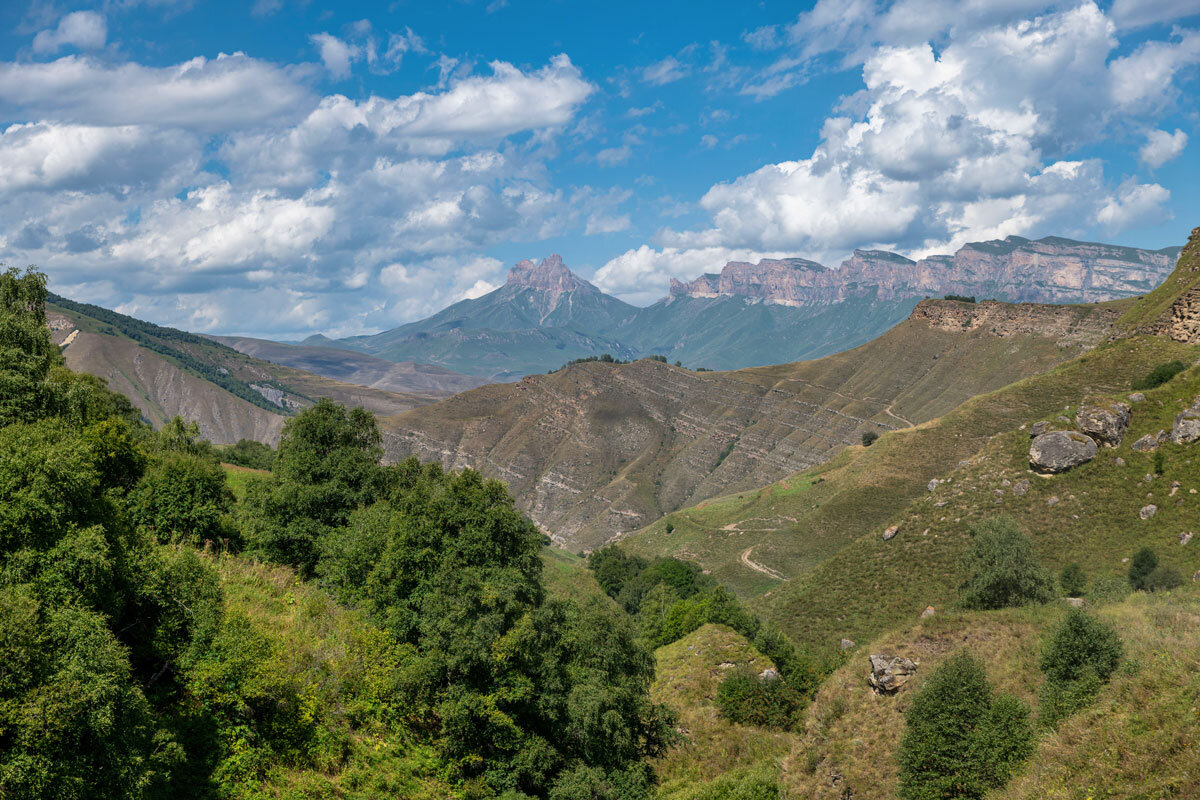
(549, 275)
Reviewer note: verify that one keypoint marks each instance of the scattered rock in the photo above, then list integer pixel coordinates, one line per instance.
(1021, 487)
(1149, 442)
(1063, 420)
(891, 532)
(847, 644)
(769, 674)
(1077, 602)
(1196, 576)
(726, 665)
(1137, 397)
(1058, 451)
(889, 673)
(933, 484)
(1104, 420)
(1148, 511)
(928, 612)
(1039, 428)
(966, 462)
(1184, 538)
(998, 493)
(1053, 500)
(1187, 426)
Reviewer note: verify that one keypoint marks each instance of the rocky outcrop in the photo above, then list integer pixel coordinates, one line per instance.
(1150, 442)
(889, 673)
(1066, 324)
(549, 275)
(1059, 451)
(1049, 270)
(1187, 425)
(1103, 420)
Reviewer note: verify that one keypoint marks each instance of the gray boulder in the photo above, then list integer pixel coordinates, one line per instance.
(1058, 451)
(1038, 428)
(1148, 511)
(889, 673)
(1150, 442)
(1021, 487)
(1187, 426)
(1137, 397)
(891, 532)
(1104, 420)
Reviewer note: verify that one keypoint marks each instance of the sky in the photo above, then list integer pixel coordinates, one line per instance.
(279, 168)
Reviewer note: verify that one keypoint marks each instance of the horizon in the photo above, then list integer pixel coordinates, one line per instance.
(287, 169)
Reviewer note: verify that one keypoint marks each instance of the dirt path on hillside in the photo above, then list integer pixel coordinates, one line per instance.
(754, 565)
(892, 414)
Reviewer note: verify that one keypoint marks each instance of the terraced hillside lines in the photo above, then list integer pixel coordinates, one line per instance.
(1089, 515)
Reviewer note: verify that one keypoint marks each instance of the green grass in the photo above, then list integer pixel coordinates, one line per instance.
(1150, 307)
(871, 585)
(566, 576)
(237, 478)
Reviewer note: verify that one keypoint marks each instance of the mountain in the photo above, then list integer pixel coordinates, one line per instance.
(596, 450)
(775, 311)
(167, 372)
(359, 368)
(543, 316)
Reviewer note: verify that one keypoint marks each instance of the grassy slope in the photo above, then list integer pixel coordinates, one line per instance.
(871, 584)
(688, 673)
(1137, 740)
(322, 643)
(237, 477)
(1149, 308)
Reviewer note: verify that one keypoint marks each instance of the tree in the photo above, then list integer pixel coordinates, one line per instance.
(1072, 580)
(869, 437)
(1078, 658)
(1001, 568)
(960, 741)
(26, 352)
(249, 453)
(747, 699)
(183, 498)
(1163, 578)
(1145, 561)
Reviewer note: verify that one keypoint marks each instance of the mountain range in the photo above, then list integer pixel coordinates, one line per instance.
(775, 311)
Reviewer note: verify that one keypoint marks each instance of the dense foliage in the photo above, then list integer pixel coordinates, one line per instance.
(1072, 580)
(869, 438)
(1001, 568)
(249, 453)
(960, 741)
(1144, 562)
(962, 298)
(1078, 658)
(1159, 375)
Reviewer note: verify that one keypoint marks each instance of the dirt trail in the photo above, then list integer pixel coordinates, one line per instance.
(754, 565)
(70, 338)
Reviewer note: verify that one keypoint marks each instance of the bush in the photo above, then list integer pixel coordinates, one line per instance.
(1002, 569)
(183, 498)
(1078, 658)
(1145, 561)
(1160, 375)
(869, 437)
(1072, 580)
(1163, 578)
(1160, 463)
(962, 298)
(1108, 589)
(249, 453)
(959, 741)
(746, 699)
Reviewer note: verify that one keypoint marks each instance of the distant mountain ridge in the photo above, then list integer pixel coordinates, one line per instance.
(775, 311)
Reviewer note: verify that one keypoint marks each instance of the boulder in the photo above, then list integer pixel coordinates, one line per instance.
(1077, 602)
(1137, 397)
(1021, 487)
(769, 674)
(1150, 442)
(891, 532)
(1039, 428)
(1120, 462)
(1187, 426)
(1148, 511)
(889, 673)
(1185, 537)
(933, 484)
(928, 612)
(1104, 420)
(847, 644)
(1058, 451)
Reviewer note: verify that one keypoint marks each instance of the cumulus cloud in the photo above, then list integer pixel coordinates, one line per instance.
(336, 54)
(1134, 204)
(1139, 13)
(85, 30)
(1161, 147)
(641, 275)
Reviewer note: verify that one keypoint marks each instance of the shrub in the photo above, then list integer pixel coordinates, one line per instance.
(1163, 578)
(183, 498)
(962, 298)
(1108, 589)
(1072, 580)
(249, 453)
(1160, 463)
(1160, 375)
(869, 437)
(1145, 561)
(1002, 569)
(1078, 658)
(746, 699)
(959, 741)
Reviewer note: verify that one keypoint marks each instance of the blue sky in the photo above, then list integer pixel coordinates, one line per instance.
(279, 168)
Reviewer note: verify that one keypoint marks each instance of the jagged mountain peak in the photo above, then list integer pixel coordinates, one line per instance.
(550, 275)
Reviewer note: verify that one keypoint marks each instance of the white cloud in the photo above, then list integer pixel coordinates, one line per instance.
(1161, 147)
(600, 223)
(1139, 13)
(213, 95)
(708, 140)
(642, 275)
(85, 30)
(336, 54)
(669, 70)
(611, 156)
(763, 38)
(1135, 204)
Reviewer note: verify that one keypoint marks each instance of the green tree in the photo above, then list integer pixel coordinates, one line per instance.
(26, 352)
(1145, 561)
(747, 699)
(1001, 568)
(1072, 580)
(249, 453)
(1078, 658)
(183, 498)
(959, 740)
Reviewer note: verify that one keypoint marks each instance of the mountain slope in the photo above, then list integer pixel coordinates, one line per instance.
(166, 373)
(598, 449)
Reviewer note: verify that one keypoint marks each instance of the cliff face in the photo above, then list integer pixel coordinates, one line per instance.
(596, 450)
(1049, 270)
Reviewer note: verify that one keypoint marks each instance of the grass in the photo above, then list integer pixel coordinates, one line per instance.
(237, 478)
(1149, 308)
(871, 585)
(1136, 740)
(688, 673)
(566, 576)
